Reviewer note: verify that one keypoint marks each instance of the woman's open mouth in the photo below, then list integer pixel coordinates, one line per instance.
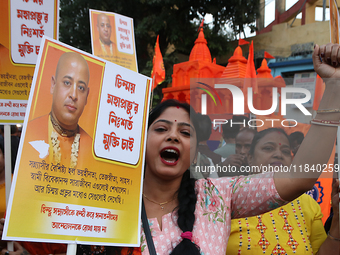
(276, 163)
(169, 156)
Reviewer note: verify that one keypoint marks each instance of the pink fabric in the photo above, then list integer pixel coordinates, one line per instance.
(187, 235)
(218, 201)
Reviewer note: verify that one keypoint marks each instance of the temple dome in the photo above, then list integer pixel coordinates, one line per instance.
(200, 51)
(237, 65)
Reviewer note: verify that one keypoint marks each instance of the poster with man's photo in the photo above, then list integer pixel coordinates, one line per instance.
(113, 38)
(81, 155)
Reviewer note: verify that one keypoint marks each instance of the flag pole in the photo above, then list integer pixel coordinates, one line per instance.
(152, 89)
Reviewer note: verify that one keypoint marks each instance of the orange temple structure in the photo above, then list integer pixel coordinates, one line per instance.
(200, 65)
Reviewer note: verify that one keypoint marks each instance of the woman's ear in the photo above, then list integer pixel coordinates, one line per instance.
(194, 160)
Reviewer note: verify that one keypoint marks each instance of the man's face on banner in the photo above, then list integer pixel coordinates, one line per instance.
(104, 28)
(70, 89)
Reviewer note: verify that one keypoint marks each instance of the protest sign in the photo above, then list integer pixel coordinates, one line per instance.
(23, 24)
(113, 38)
(81, 154)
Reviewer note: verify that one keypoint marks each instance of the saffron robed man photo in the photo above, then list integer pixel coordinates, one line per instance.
(57, 136)
(104, 47)
(72, 185)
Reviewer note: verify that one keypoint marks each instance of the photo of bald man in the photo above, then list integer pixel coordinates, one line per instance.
(104, 47)
(56, 136)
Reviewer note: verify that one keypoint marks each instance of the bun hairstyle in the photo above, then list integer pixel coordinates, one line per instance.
(259, 135)
(186, 194)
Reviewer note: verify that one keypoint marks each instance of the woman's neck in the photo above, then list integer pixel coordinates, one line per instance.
(160, 196)
(160, 190)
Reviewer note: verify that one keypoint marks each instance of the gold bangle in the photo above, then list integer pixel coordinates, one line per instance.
(333, 238)
(330, 123)
(328, 111)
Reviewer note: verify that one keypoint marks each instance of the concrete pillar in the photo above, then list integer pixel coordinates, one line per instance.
(260, 19)
(280, 5)
(310, 12)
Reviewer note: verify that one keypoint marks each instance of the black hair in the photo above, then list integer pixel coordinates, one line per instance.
(205, 127)
(296, 136)
(259, 135)
(187, 197)
(230, 131)
(247, 129)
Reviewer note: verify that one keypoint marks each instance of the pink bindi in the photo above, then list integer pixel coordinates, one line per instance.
(279, 143)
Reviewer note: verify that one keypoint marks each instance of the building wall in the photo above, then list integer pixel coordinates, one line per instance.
(278, 42)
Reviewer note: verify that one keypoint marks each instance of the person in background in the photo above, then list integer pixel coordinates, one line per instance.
(295, 140)
(14, 150)
(203, 147)
(205, 157)
(293, 228)
(242, 145)
(229, 133)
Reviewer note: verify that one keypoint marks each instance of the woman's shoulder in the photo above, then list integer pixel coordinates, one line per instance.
(234, 181)
(306, 200)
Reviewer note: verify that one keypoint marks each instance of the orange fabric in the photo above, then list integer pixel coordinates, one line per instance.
(35, 248)
(108, 54)
(242, 42)
(158, 71)
(319, 89)
(267, 55)
(37, 129)
(250, 72)
(201, 25)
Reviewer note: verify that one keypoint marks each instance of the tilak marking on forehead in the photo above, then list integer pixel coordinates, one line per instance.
(177, 107)
(175, 120)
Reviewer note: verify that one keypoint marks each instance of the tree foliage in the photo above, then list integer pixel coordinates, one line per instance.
(175, 21)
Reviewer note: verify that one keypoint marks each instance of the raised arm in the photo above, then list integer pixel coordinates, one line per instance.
(317, 146)
(332, 244)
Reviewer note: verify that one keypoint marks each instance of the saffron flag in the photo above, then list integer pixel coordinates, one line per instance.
(267, 55)
(242, 42)
(158, 71)
(319, 89)
(201, 26)
(250, 72)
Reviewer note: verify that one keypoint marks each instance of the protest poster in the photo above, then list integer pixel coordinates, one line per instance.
(81, 155)
(23, 24)
(113, 38)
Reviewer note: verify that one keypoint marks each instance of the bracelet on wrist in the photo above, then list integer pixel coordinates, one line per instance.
(328, 111)
(330, 123)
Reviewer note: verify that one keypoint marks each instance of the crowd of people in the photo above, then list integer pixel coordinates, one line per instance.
(265, 213)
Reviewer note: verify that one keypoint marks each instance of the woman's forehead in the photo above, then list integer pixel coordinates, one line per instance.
(276, 137)
(175, 114)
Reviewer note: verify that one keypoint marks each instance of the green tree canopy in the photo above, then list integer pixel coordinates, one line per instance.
(175, 21)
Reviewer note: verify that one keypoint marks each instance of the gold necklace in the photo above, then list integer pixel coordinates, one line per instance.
(160, 204)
